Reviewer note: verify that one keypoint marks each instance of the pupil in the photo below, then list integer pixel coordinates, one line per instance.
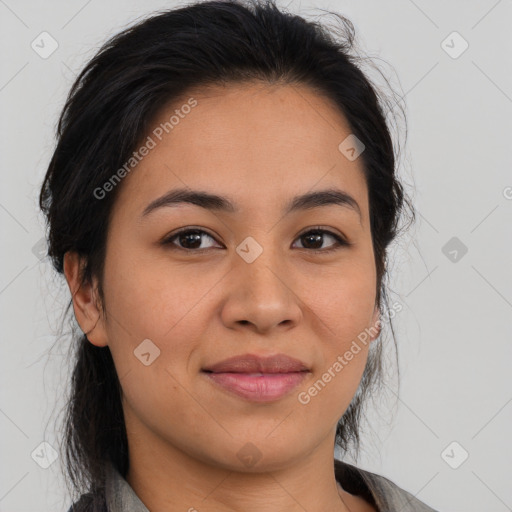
(317, 238)
(191, 235)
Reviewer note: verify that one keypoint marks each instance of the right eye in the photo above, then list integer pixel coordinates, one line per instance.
(191, 238)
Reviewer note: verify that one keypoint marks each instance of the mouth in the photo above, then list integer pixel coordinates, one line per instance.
(257, 378)
(252, 363)
(257, 387)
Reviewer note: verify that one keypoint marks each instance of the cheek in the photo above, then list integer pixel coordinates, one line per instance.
(152, 297)
(345, 307)
(344, 303)
(146, 304)
(344, 355)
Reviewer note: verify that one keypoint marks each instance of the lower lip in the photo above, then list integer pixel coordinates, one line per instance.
(258, 388)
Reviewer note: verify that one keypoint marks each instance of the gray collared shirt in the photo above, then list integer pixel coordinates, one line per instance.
(119, 494)
(385, 495)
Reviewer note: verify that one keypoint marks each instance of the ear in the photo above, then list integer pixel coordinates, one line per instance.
(376, 324)
(85, 301)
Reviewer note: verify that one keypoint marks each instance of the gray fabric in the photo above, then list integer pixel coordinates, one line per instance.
(388, 496)
(120, 496)
(391, 498)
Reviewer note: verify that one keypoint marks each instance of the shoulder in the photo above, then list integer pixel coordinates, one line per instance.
(115, 495)
(381, 492)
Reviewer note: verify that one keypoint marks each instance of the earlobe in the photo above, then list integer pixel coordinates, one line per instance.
(85, 301)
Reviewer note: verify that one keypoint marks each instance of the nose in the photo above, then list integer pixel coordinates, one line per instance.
(261, 296)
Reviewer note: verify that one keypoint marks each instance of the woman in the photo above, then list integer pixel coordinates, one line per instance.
(220, 202)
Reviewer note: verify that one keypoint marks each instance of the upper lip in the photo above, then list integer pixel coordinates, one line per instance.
(251, 363)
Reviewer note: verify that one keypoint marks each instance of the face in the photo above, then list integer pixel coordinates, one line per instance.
(257, 278)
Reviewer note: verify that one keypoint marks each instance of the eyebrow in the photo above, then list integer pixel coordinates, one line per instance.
(310, 200)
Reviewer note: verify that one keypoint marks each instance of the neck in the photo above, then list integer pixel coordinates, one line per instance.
(168, 479)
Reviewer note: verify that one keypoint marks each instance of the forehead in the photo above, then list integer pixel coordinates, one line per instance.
(260, 143)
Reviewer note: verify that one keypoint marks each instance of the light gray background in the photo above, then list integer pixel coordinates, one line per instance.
(454, 331)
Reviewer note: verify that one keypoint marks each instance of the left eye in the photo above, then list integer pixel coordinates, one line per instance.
(316, 235)
(190, 240)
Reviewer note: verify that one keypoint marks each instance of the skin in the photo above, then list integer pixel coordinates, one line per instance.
(259, 145)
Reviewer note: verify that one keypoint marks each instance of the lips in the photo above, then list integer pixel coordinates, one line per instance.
(258, 379)
(251, 363)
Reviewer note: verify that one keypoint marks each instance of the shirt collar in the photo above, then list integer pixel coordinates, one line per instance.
(119, 494)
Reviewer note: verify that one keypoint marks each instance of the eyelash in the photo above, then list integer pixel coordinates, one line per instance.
(340, 242)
